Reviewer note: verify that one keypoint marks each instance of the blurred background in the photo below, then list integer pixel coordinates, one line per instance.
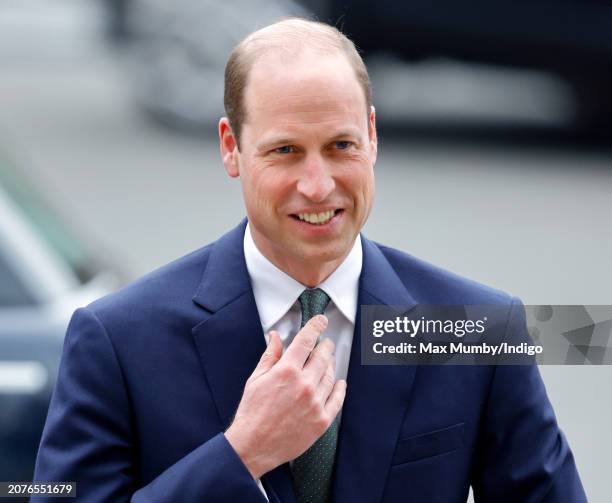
(495, 152)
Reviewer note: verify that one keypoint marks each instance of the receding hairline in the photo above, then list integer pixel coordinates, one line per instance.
(294, 33)
(289, 37)
(295, 37)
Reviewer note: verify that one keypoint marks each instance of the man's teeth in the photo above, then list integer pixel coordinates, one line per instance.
(317, 218)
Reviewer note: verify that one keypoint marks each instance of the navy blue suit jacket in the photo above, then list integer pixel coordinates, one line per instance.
(151, 376)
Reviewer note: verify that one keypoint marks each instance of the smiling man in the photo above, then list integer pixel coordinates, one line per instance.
(303, 144)
(234, 374)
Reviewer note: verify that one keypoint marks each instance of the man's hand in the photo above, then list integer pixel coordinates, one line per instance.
(289, 400)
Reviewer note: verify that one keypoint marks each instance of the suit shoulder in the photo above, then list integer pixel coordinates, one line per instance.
(435, 285)
(171, 284)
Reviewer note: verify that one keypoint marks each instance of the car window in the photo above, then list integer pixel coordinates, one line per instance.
(45, 221)
(12, 291)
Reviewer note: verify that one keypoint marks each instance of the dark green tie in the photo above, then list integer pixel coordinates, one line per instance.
(312, 471)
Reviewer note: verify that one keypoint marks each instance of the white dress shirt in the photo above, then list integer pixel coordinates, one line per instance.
(276, 295)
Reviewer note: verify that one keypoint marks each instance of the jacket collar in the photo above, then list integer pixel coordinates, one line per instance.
(226, 277)
(230, 341)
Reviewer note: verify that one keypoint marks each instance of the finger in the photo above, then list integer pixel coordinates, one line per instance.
(304, 342)
(319, 359)
(327, 382)
(336, 398)
(270, 356)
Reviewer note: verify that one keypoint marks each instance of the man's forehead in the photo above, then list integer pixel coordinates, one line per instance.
(292, 60)
(305, 80)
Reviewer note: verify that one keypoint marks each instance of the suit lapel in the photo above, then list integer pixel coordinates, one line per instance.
(377, 396)
(230, 343)
(229, 339)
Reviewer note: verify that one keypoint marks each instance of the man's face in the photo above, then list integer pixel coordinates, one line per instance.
(308, 149)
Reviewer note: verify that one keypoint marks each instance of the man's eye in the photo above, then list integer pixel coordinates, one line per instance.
(343, 145)
(287, 149)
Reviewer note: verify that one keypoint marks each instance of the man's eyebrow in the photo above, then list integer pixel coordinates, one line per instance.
(275, 141)
(348, 133)
(288, 140)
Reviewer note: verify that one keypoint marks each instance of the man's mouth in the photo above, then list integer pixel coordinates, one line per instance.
(317, 218)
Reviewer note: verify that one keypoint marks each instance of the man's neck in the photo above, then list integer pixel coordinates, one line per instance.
(308, 273)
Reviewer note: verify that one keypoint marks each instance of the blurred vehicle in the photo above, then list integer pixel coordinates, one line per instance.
(45, 274)
(175, 51)
(570, 39)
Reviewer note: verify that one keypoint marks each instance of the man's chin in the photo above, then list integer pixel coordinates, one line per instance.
(323, 252)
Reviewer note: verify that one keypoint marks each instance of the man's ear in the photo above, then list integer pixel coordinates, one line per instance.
(229, 148)
(372, 133)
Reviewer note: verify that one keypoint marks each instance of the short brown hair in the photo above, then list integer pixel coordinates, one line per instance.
(298, 34)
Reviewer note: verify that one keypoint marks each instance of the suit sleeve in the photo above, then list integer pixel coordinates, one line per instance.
(89, 439)
(524, 456)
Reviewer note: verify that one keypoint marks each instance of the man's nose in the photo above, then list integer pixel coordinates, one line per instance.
(316, 181)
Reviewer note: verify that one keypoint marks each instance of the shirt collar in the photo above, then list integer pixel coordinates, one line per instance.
(275, 291)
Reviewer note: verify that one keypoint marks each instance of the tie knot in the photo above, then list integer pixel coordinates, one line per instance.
(313, 302)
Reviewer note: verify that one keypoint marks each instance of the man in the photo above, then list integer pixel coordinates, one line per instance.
(167, 391)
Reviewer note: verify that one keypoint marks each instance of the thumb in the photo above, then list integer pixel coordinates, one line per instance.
(271, 355)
